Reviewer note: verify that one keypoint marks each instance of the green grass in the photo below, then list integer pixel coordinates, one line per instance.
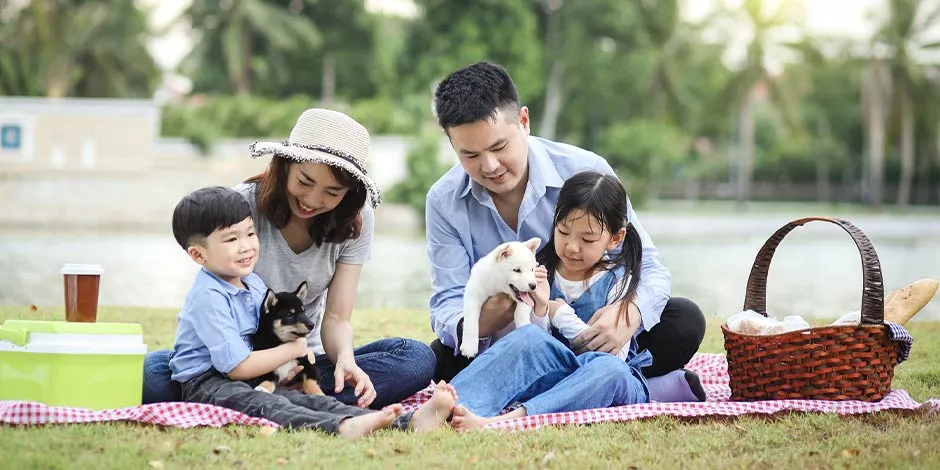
(890, 439)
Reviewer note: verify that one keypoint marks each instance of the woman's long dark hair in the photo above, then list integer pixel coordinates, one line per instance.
(603, 197)
(338, 225)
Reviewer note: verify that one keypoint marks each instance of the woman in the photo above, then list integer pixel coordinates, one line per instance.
(313, 224)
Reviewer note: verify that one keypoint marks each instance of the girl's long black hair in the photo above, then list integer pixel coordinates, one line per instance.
(603, 197)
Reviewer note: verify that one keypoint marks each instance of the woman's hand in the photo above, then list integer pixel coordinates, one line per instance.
(541, 292)
(348, 372)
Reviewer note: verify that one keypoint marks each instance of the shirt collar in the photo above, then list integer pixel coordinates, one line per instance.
(227, 286)
(542, 172)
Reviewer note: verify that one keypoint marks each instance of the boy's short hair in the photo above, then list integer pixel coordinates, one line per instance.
(206, 210)
(474, 93)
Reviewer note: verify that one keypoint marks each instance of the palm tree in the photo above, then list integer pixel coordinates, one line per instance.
(876, 86)
(578, 38)
(752, 76)
(60, 48)
(668, 42)
(233, 26)
(904, 35)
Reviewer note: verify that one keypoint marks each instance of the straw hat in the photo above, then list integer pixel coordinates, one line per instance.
(326, 136)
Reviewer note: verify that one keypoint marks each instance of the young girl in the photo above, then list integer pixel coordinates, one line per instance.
(591, 260)
(583, 266)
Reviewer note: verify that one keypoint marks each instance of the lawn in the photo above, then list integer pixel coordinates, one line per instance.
(882, 440)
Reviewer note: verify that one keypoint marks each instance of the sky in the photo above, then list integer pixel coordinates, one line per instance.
(851, 18)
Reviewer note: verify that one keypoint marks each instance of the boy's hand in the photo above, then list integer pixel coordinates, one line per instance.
(541, 292)
(300, 347)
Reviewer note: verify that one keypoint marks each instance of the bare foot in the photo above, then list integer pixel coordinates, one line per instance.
(358, 426)
(434, 412)
(464, 420)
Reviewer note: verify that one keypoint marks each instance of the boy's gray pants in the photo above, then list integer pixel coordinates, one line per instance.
(291, 409)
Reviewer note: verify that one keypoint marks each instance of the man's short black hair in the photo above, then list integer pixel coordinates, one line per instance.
(474, 93)
(206, 210)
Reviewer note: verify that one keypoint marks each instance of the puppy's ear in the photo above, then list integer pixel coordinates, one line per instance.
(301, 291)
(270, 300)
(533, 244)
(505, 251)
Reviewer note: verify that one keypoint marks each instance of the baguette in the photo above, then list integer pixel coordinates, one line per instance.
(904, 303)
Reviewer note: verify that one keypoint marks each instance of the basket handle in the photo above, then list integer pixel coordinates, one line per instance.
(873, 312)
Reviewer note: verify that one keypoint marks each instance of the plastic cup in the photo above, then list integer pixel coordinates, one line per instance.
(81, 291)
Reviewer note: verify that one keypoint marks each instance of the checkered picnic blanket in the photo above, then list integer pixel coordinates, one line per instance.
(177, 414)
(712, 370)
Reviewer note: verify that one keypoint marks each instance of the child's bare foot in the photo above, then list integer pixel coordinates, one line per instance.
(464, 420)
(358, 426)
(434, 412)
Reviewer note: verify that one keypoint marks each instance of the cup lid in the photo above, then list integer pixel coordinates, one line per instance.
(90, 269)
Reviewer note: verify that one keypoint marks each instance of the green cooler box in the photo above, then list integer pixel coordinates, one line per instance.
(83, 365)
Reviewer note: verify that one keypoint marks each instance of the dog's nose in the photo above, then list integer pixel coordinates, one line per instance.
(531, 286)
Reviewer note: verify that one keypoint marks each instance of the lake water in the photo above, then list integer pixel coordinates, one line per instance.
(815, 273)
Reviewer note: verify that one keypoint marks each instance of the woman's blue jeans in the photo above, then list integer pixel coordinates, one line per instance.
(397, 367)
(531, 368)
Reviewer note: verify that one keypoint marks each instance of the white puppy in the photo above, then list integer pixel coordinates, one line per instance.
(508, 269)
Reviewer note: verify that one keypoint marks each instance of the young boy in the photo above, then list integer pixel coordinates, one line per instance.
(213, 354)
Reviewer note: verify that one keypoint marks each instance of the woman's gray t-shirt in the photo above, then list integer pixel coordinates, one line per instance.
(283, 270)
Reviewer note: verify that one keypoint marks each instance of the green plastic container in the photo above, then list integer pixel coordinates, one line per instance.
(83, 365)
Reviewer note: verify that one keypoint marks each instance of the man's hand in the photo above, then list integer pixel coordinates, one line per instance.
(497, 313)
(607, 332)
(348, 372)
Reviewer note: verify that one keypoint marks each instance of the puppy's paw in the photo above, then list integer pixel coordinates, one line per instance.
(469, 348)
(311, 387)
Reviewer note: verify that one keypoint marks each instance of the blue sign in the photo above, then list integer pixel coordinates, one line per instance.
(11, 137)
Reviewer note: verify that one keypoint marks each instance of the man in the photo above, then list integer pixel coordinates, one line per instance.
(505, 189)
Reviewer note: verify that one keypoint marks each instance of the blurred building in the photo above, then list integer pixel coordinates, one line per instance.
(103, 163)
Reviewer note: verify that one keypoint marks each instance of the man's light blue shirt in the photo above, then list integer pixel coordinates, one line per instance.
(214, 327)
(463, 225)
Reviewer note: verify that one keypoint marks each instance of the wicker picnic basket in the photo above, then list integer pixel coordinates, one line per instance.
(848, 362)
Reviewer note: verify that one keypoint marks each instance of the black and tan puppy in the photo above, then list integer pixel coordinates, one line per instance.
(282, 319)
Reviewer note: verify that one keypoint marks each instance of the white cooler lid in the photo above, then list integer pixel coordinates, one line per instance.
(71, 337)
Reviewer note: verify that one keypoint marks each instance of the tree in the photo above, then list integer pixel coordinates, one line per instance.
(904, 34)
(830, 87)
(69, 48)
(643, 152)
(669, 44)
(753, 77)
(445, 38)
(585, 46)
(232, 30)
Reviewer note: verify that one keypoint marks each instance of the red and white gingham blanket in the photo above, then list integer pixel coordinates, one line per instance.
(712, 369)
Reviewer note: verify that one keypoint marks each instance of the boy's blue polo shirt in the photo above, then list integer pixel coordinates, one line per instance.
(215, 324)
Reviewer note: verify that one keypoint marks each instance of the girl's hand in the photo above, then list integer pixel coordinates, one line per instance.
(553, 307)
(348, 372)
(541, 292)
